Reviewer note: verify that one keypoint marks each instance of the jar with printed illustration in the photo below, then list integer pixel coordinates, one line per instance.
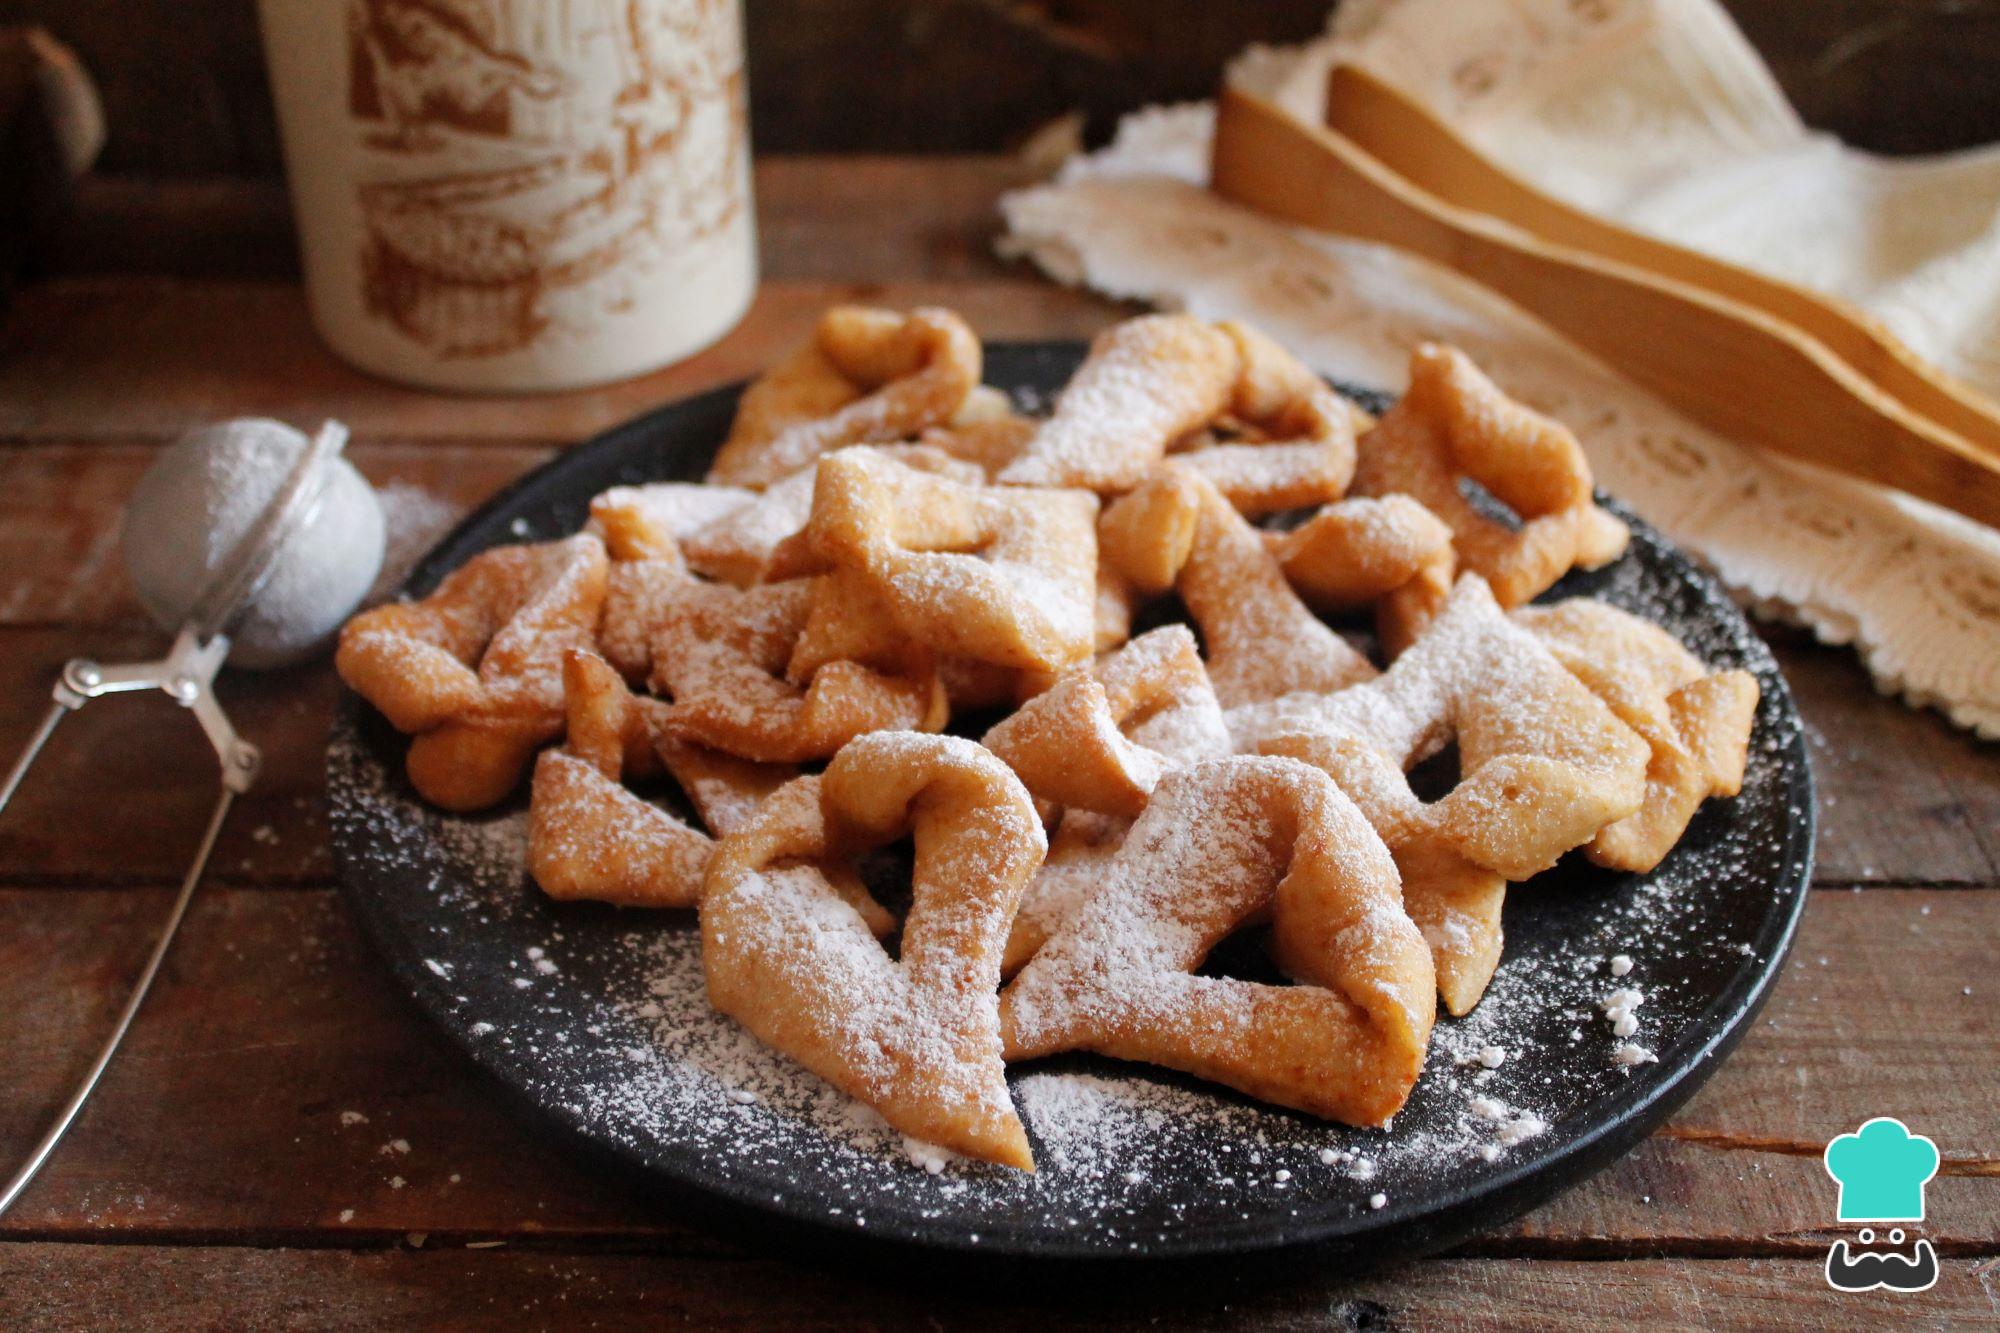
(517, 195)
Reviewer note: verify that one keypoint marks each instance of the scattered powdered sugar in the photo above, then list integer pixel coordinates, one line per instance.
(1128, 1158)
(412, 521)
(1631, 1054)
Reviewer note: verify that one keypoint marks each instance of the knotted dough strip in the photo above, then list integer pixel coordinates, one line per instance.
(589, 837)
(653, 521)
(1284, 441)
(917, 1038)
(1157, 381)
(1262, 641)
(1097, 743)
(868, 375)
(1390, 553)
(736, 545)
(1220, 844)
(1452, 423)
(1101, 739)
(1696, 723)
(1002, 575)
(474, 671)
(1544, 765)
(721, 653)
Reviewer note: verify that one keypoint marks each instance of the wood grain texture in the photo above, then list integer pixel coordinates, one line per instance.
(186, 91)
(278, 1073)
(451, 1288)
(219, 1136)
(126, 358)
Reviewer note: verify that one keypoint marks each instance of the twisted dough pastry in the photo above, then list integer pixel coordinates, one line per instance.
(590, 837)
(917, 1038)
(867, 375)
(1101, 739)
(1001, 575)
(1160, 381)
(1262, 641)
(1544, 765)
(721, 653)
(1222, 843)
(1696, 723)
(1097, 743)
(1453, 423)
(1391, 554)
(474, 671)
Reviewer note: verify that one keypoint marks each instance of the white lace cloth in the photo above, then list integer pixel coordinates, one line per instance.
(1659, 113)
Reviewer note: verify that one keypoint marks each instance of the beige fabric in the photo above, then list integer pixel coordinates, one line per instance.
(1656, 112)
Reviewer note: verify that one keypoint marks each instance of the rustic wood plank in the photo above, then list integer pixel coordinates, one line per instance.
(121, 792)
(118, 358)
(442, 1288)
(225, 1114)
(61, 507)
(1903, 795)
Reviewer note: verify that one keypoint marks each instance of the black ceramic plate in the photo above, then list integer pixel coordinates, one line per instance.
(597, 1018)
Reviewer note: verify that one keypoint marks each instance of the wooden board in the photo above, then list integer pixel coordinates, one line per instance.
(219, 1137)
(279, 1081)
(441, 1286)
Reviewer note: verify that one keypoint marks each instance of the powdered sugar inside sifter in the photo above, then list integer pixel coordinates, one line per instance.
(219, 595)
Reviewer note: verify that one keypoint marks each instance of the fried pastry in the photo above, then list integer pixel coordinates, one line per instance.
(474, 671)
(1222, 843)
(637, 596)
(721, 654)
(1267, 432)
(589, 837)
(1003, 575)
(1453, 423)
(989, 443)
(1262, 641)
(884, 541)
(1101, 739)
(867, 376)
(1391, 554)
(1695, 722)
(654, 520)
(736, 545)
(1544, 766)
(915, 1037)
(1096, 743)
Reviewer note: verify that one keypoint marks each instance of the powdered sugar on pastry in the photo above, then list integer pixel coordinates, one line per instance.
(1221, 842)
(917, 1038)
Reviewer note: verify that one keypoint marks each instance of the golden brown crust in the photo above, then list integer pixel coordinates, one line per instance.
(916, 1038)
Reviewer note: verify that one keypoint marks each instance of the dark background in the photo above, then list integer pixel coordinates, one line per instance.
(184, 79)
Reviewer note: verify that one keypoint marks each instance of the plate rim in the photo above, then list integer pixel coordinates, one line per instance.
(1426, 1222)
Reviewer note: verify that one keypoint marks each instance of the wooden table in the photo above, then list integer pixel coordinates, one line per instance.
(284, 1140)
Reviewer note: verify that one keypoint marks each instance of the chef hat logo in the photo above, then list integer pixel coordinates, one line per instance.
(1881, 1170)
